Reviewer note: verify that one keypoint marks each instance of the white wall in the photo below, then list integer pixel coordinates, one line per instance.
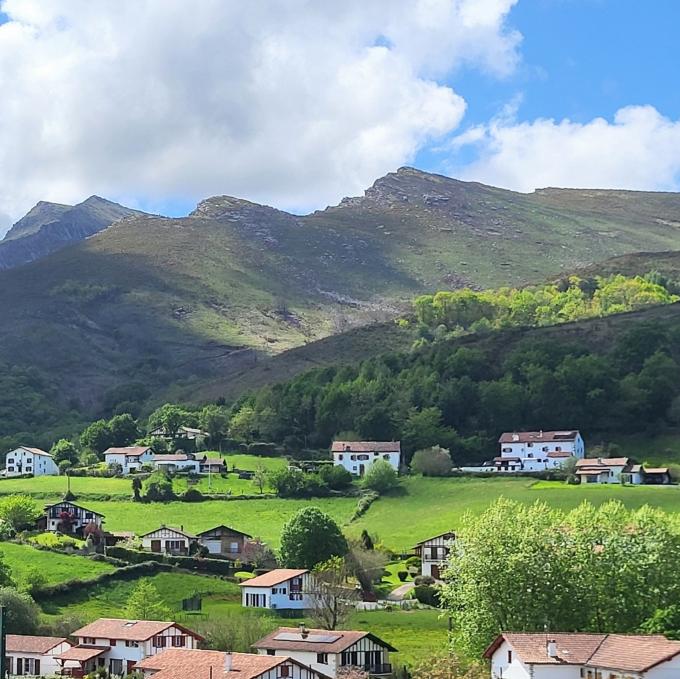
(353, 466)
(48, 665)
(516, 669)
(281, 600)
(29, 463)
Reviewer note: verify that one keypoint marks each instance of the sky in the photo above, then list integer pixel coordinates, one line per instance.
(297, 103)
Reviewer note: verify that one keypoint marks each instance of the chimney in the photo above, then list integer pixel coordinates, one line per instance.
(304, 632)
(228, 661)
(540, 434)
(552, 648)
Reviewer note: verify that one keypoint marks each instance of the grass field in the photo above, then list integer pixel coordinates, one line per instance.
(55, 567)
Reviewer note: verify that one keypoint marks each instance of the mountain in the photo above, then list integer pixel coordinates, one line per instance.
(50, 226)
(152, 306)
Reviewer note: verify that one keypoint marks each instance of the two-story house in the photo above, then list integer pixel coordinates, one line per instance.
(34, 461)
(281, 589)
(68, 517)
(583, 656)
(434, 553)
(168, 540)
(224, 541)
(537, 451)
(180, 664)
(117, 644)
(357, 456)
(130, 458)
(329, 650)
(34, 656)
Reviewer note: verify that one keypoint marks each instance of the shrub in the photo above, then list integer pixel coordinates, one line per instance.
(424, 580)
(262, 449)
(434, 461)
(364, 503)
(335, 477)
(427, 594)
(413, 562)
(158, 488)
(22, 615)
(53, 541)
(381, 477)
(193, 495)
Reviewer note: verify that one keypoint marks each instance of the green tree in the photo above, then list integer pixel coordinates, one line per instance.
(136, 488)
(243, 424)
(170, 418)
(435, 461)
(145, 603)
(332, 597)
(380, 477)
(97, 436)
(19, 512)
(158, 488)
(22, 614)
(310, 537)
(64, 450)
(123, 429)
(424, 428)
(214, 420)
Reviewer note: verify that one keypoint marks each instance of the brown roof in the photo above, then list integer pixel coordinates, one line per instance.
(603, 462)
(449, 534)
(275, 577)
(223, 529)
(590, 472)
(315, 640)
(172, 529)
(180, 663)
(655, 470)
(130, 630)
(507, 459)
(24, 643)
(559, 453)
(537, 436)
(174, 457)
(628, 653)
(72, 504)
(82, 653)
(366, 447)
(36, 451)
(130, 451)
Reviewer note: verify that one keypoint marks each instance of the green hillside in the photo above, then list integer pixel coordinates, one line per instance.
(152, 307)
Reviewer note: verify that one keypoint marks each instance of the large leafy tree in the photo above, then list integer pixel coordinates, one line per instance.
(214, 419)
(64, 450)
(22, 614)
(97, 436)
(309, 538)
(19, 512)
(170, 417)
(123, 429)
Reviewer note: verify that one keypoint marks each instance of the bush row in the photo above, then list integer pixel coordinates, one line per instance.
(364, 503)
(192, 563)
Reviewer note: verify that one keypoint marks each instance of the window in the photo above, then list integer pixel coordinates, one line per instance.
(28, 469)
(115, 666)
(112, 642)
(340, 457)
(89, 515)
(131, 644)
(271, 651)
(10, 469)
(386, 457)
(159, 641)
(531, 454)
(179, 641)
(509, 656)
(284, 671)
(545, 449)
(10, 460)
(322, 658)
(362, 457)
(352, 457)
(530, 445)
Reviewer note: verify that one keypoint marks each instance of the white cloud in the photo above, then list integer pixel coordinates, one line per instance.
(292, 102)
(639, 149)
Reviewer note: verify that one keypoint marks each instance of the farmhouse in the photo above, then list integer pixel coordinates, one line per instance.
(68, 517)
(212, 465)
(30, 655)
(180, 664)
(182, 433)
(587, 656)
(434, 553)
(328, 651)
(224, 541)
(280, 589)
(34, 461)
(168, 540)
(130, 458)
(177, 462)
(357, 456)
(117, 645)
(620, 469)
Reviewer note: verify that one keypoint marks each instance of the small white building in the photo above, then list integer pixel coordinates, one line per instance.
(176, 462)
(583, 656)
(168, 540)
(618, 470)
(117, 644)
(281, 589)
(34, 656)
(357, 456)
(180, 664)
(34, 461)
(68, 517)
(130, 458)
(434, 553)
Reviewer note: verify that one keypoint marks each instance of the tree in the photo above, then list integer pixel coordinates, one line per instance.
(158, 487)
(443, 666)
(260, 477)
(22, 614)
(435, 461)
(64, 451)
(257, 553)
(243, 424)
(19, 512)
(332, 599)
(64, 467)
(424, 428)
(170, 418)
(367, 565)
(145, 603)
(136, 488)
(214, 420)
(32, 580)
(97, 437)
(381, 477)
(310, 537)
(123, 430)
(335, 476)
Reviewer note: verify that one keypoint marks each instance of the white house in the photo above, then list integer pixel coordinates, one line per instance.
(180, 664)
(620, 469)
(328, 651)
(34, 461)
(434, 553)
(68, 517)
(280, 589)
(176, 462)
(168, 540)
(533, 451)
(357, 456)
(34, 656)
(130, 458)
(583, 656)
(224, 541)
(117, 645)
(189, 433)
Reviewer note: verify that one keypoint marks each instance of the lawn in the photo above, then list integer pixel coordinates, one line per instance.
(55, 567)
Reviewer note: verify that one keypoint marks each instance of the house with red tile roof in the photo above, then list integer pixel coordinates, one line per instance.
(130, 458)
(182, 663)
(357, 456)
(280, 589)
(620, 469)
(25, 460)
(516, 655)
(329, 650)
(117, 644)
(34, 655)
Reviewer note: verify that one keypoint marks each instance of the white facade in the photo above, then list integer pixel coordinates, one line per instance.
(75, 516)
(176, 463)
(30, 461)
(130, 459)
(166, 540)
(26, 658)
(294, 593)
(358, 456)
(434, 554)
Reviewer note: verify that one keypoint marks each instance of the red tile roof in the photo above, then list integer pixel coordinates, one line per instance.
(366, 447)
(275, 577)
(603, 462)
(130, 451)
(174, 457)
(36, 451)
(315, 640)
(655, 470)
(627, 653)
(24, 643)
(130, 630)
(559, 453)
(82, 653)
(538, 436)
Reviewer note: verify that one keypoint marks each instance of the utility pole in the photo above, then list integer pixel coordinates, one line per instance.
(3, 646)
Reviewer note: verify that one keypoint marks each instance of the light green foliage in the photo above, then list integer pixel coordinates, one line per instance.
(19, 512)
(522, 568)
(158, 487)
(145, 603)
(214, 420)
(32, 579)
(64, 451)
(380, 477)
(243, 424)
(170, 418)
(310, 538)
(53, 541)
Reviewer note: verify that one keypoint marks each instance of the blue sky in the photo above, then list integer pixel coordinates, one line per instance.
(296, 103)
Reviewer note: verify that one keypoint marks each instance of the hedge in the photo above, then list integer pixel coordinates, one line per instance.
(191, 563)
